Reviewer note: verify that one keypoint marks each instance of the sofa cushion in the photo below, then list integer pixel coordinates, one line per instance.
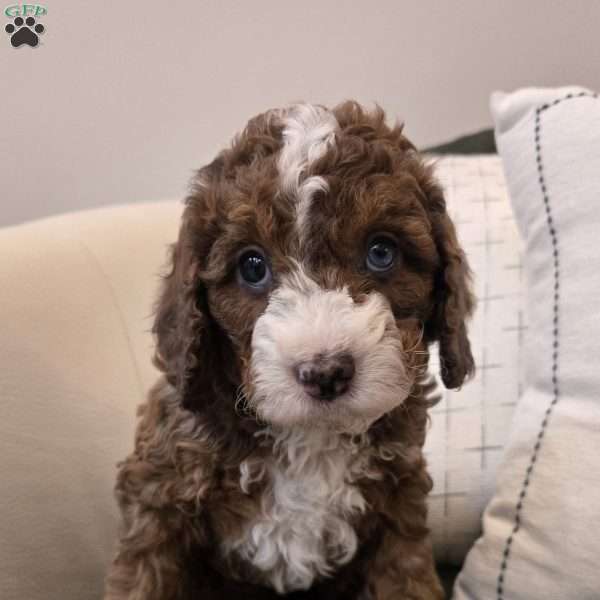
(469, 427)
(75, 352)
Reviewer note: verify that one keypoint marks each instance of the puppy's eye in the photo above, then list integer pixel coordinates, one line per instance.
(253, 269)
(381, 253)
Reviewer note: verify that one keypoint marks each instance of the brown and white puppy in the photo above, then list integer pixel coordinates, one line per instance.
(281, 452)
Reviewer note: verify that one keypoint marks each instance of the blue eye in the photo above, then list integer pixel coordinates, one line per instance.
(253, 269)
(381, 254)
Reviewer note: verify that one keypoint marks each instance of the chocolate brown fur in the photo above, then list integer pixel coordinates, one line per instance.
(179, 491)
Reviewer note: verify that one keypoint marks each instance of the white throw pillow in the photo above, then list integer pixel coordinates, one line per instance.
(540, 539)
(469, 426)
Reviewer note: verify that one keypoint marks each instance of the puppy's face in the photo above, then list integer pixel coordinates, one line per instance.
(315, 263)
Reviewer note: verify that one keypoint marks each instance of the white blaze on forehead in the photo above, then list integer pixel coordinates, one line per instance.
(308, 132)
(303, 320)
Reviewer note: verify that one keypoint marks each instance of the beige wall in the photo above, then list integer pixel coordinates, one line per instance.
(124, 99)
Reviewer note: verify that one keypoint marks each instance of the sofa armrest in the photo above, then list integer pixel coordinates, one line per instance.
(75, 361)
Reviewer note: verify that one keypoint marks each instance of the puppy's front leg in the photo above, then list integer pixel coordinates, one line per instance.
(404, 570)
(148, 562)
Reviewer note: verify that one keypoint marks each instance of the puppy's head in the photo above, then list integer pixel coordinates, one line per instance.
(314, 265)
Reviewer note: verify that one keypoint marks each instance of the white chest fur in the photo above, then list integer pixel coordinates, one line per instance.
(303, 529)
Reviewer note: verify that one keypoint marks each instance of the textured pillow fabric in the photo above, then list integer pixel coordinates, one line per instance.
(540, 537)
(469, 426)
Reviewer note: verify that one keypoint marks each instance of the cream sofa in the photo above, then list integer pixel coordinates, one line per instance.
(75, 361)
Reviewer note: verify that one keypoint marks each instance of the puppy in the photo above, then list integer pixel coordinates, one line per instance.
(281, 453)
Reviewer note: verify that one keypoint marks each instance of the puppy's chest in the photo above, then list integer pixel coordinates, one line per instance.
(302, 529)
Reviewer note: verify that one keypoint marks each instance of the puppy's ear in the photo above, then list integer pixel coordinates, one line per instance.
(180, 322)
(453, 299)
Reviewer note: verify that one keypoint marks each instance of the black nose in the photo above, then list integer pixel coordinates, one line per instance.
(326, 377)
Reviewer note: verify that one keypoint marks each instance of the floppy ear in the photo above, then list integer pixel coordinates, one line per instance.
(453, 299)
(188, 345)
(179, 321)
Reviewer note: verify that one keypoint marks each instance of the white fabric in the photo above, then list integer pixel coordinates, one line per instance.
(540, 536)
(469, 427)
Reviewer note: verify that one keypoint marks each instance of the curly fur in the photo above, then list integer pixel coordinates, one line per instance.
(239, 485)
(302, 530)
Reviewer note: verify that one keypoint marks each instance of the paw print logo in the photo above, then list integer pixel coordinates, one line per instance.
(24, 32)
